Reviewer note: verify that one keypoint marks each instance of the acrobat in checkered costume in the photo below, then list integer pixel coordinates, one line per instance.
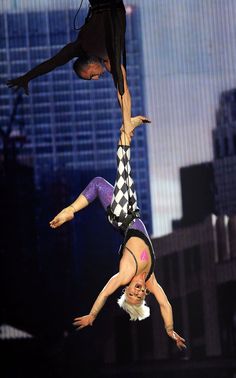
(120, 201)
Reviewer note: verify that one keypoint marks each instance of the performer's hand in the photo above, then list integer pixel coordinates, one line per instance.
(64, 216)
(180, 342)
(19, 82)
(138, 120)
(83, 321)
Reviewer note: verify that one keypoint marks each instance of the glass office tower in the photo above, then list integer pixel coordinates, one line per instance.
(224, 138)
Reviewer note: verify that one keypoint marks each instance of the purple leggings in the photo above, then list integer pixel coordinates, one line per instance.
(101, 188)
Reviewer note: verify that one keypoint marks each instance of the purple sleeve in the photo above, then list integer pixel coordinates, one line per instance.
(138, 224)
(100, 188)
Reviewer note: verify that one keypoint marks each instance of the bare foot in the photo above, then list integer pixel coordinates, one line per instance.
(135, 121)
(65, 215)
(138, 120)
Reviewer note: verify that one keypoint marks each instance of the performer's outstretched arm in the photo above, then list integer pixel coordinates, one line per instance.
(166, 310)
(124, 100)
(125, 103)
(67, 53)
(112, 285)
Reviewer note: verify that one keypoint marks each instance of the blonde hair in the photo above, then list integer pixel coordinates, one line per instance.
(136, 312)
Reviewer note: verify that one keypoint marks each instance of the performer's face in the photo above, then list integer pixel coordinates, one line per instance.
(136, 291)
(93, 71)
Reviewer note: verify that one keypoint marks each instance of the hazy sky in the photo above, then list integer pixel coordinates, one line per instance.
(189, 58)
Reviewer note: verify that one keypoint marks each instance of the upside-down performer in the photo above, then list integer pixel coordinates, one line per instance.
(136, 268)
(99, 47)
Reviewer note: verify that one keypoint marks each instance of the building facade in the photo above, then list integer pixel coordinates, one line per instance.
(224, 139)
(197, 194)
(197, 268)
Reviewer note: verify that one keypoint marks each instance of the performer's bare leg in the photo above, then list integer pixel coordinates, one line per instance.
(81, 202)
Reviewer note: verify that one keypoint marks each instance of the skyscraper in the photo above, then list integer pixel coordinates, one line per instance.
(224, 139)
(197, 192)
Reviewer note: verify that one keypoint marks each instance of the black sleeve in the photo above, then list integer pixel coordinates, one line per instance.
(67, 53)
(115, 42)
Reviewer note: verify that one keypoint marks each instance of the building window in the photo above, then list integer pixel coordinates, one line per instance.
(44, 150)
(227, 316)
(192, 261)
(217, 149)
(64, 148)
(233, 110)
(226, 146)
(234, 143)
(171, 271)
(196, 323)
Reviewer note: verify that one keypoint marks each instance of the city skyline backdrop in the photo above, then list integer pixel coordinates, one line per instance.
(181, 64)
(189, 59)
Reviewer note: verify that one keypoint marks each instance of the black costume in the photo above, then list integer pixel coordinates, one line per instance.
(101, 36)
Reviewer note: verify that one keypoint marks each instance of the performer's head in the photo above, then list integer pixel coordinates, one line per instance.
(133, 300)
(88, 68)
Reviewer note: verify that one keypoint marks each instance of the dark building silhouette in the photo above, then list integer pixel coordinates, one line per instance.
(197, 193)
(197, 268)
(224, 139)
(18, 246)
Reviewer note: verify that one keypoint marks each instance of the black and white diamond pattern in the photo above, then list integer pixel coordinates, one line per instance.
(124, 196)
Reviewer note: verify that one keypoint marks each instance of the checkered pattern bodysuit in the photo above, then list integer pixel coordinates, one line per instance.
(120, 200)
(124, 199)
